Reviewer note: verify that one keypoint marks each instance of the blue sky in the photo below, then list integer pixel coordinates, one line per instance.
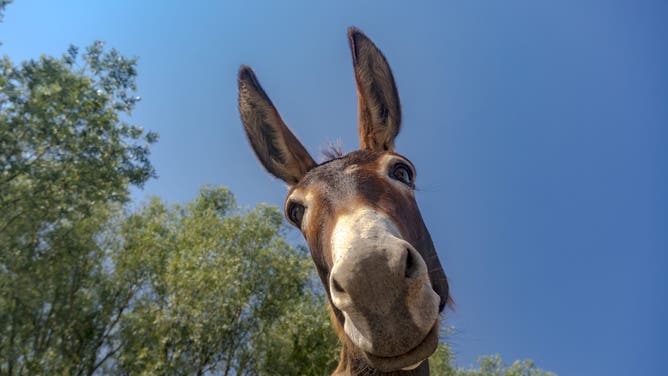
(538, 130)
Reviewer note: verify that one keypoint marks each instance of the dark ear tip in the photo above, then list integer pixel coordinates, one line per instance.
(355, 35)
(246, 74)
(354, 31)
(359, 42)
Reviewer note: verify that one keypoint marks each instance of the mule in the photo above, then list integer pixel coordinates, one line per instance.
(384, 282)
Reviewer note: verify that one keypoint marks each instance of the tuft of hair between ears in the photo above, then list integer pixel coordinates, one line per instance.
(332, 151)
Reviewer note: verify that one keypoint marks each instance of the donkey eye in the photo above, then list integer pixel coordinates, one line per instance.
(296, 213)
(403, 173)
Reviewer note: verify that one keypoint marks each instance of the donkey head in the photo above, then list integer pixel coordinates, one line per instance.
(359, 216)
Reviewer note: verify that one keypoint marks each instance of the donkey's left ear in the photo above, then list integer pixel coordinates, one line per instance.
(279, 151)
(379, 107)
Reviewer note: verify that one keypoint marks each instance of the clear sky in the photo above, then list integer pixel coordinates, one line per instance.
(538, 129)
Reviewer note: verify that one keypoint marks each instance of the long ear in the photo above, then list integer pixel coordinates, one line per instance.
(276, 147)
(379, 107)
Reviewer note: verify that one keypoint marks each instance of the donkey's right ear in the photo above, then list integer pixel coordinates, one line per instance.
(275, 146)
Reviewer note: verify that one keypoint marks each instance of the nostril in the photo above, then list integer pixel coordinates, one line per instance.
(410, 264)
(337, 287)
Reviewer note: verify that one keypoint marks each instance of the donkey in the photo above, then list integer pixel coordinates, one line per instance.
(384, 282)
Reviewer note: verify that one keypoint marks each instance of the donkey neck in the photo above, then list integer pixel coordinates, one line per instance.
(351, 365)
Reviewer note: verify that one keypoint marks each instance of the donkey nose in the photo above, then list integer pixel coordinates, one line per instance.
(408, 264)
(365, 273)
(381, 285)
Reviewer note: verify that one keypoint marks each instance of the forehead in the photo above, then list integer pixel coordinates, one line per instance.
(332, 172)
(334, 167)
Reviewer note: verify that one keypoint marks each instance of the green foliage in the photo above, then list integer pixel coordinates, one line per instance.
(218, 288)
(63, 144)
(301, 342)
(66, 160)
(171, 289)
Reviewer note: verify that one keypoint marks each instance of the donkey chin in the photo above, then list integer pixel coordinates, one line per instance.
(380, 283)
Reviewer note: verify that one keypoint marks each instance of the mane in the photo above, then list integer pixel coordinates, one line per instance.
(332, 151)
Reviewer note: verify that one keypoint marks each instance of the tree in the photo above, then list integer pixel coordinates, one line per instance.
(302, 341)
(66, 158)
(221, 292)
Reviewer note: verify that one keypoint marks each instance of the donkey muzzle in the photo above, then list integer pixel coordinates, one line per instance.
(381, 284)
